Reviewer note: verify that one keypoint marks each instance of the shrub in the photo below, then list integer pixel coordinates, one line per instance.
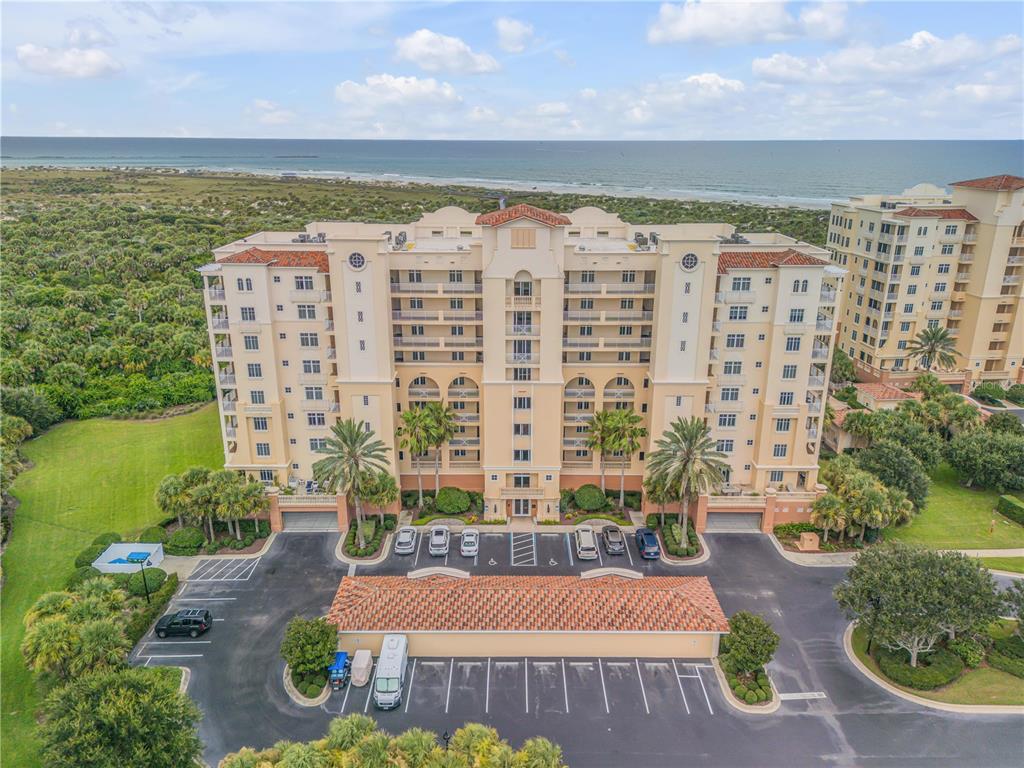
(249, 539)
(565, 499)
(1012, 646)
(153, 535)
(452, 501)
(1015, 394)
(750, 698)
(390, 522)
(1009, 664)
(476, 502)
(155, 577)
(794, 529)
(741, 691)
(89, 554)
(933, 670)
(212, 548)
(373, 542)
(1011, 507)
(989, 392)
(79, 575)
(184, 541)
(652, 521)
(263, 529)
(589, 498)
(309, 644)
(411, 498)
(752, 642)
(971, 652)
(106, 539)
(139, 622)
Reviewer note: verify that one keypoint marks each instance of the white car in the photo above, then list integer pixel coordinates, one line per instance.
(586, 543)
(405, 540)
(469, 546)
(439, 537)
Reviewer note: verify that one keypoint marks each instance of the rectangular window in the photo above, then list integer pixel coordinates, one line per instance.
(727, 419)
(313, 393)
(520, 454)
(628, 276)
(951, 229)
(256, 397)
(255, 370)
(779, 450)
(940, 287)
(454, 275)
(783, 425)
(521, 403)
(796, 315)
(724, 446)
(785, 398)
(732, 368)
(317, 443)
(307, 311)
(943, 269)
(263, 450)
(792, 343)
(309, 340)
(521, 374)
(730, 394)
(248, 314)
(947, 250)
(625, 330)
(316, 419)
(521, 430)
(311, 366)
(936, 306)
(737, 313)
(734, 340)
(520, 481)
(259, 424)
(789, 371)
(775, 476)
(741, 283)
(303, 282)
(252, 343)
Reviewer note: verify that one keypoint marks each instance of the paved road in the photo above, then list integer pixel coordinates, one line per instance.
(603, 712)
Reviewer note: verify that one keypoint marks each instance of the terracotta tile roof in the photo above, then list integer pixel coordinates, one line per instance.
(880, 391)
(960, 214)
(442, 603)
(315, 259)
(522, 211)
(766, 260)
(1004, 183)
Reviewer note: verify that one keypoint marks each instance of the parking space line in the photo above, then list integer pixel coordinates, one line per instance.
(369, 693)
(565, 688)
(352, 569)
(526, 678)
(568, 548)
(600, 559)
(412, 677)
(628, 553)
(174, 655)
(203, 599)
(419, 546)
(603, 689)
(448, 696)
(680, 684)
(487, 695)
(176, 642)
(348, 688)
(802, 696)
(701, 681)
(643, 691)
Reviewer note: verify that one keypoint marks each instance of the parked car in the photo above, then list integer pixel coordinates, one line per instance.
(614, 541)
(439, 537)
(469, 545)
(389, 684)
(647, 543)
(405, 541)
(191, 622)
(586, 542)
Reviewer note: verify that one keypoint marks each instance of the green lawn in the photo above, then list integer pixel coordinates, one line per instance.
(959, 518)
(983, 685)
(89, 477)
(1014, 564)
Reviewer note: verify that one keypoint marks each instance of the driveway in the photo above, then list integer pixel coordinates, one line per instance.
(603, 712)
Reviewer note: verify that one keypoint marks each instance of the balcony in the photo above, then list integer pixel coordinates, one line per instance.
(816, 381)
(467, 417)
(574, 442)
(962, 277)
(710, 408)
(455, 393)
(713, 353)
(1013, 260)
(522, 330)
(576, 418)
(309, 297)
(522, 302)
(958, 296)
(616, 342)
(827, 296)
(415, 314)
(619, 393)
(312, 378)
(462, 315)
(635, 315)
(824, 326)
(522, 357)
(583, 287)
(415, 287)
(970, 237)
(739, 297)
(462, 288)
(332, 353)
(215, 294)
(819, 353)
(463, 342)
(259, 408)
(227, 379)
(581, 314)
(229, 406)
(579, 393)
(955, 314)
(814, 406)
(328, 324)
(716, 326)
(230, 432)
(219, 323)
(424, 392)
(521, 493)
(1011, 279)
(728, 406)
(223, 353)
(629, 288)
(812, 433)
(315, 405)
(417, 341)
(581, 342)
(965, 257)
(459, 442)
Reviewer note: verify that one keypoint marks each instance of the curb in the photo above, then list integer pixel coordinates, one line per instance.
(1007, 574)
(966, 709)
(186, 678)
(703, 557)
(795, 560)
(733, 702)
(385, 550)
(298, 698)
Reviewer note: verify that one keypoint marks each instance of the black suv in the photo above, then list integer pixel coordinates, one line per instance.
(192, 622)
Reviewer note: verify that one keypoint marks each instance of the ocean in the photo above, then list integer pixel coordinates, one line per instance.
(803, 173)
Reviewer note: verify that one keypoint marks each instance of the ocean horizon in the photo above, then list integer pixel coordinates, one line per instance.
(798, 172)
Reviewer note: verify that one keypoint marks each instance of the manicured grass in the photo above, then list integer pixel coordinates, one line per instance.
(959, 518)
(983, 685)
(89, 477)
(1013, 564)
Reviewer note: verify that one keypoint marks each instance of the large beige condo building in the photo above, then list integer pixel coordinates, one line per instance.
(929, 258)
(526, 322)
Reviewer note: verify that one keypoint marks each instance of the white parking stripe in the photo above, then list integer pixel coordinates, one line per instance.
(600, 559)
(487, 695)
(802, 696)
(701, 681)
(369, 693)
(419, 546)
(680, 684)
(345, 700)
(642, 689)
(177, 642)
(448, 696)
(526, 678)
(628, 553)
(175, 656)
(565, 688)
(203, 599)
(568, 548)
(412, 677)
(603, 689)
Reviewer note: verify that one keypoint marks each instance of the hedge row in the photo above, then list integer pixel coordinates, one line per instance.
(786, 530)
(139, 622)
(751, 689)
(309, 685)
(672, 534)
(185, 541)
(449, 500)
(1011, 507)
(352, 549)
(933, 670)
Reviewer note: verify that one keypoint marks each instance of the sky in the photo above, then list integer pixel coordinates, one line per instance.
(696, 69)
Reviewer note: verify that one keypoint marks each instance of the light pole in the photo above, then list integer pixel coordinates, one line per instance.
(142, 569)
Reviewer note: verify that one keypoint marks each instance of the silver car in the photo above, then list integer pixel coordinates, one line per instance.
(469, 545)
(439, 537)
(405, 540)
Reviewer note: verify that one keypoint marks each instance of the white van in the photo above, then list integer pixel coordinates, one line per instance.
(389, 680)
(586, 543)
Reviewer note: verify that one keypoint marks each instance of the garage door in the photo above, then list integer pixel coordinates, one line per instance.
(733, 521)
(311, 521)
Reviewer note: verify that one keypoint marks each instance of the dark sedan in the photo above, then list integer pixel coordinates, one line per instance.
(614, 541)
(647, 543)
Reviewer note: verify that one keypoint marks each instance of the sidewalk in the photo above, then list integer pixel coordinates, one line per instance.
(843, 559)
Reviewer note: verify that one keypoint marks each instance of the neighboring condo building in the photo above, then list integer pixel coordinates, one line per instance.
(931, 258)
(526, 322)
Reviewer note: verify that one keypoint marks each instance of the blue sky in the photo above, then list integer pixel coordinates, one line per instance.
(688, 70)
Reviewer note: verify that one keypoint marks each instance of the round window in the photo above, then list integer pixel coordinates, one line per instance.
(689, 262)
(356, 260)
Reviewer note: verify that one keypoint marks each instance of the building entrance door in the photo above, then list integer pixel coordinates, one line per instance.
(521, 507)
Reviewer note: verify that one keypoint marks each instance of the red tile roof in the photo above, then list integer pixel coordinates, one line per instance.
(1004, 183)
(880, 391)
(961, 214)
(766, 260)
(315, 259)
(522, 211)
(441, 603)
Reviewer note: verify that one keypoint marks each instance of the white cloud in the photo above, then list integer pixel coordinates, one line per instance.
(389, 89)
(88, 32)
(922, 54)
(671, 96)
(727, 23)
(984, 92)
(269, 113)
(564, 58)
(176, 83)
(434, 52)
(552, 109)
(76, 63)
(588, 94)
(513, 35)
(482, 115)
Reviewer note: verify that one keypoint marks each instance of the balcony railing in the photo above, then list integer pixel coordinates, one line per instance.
(729, 405)
(462, 288)
(739, 297)
(956, 313)
(710, 408)
(424, 392)
(823, 325)
(467, 417)
(462, 315)
(220, 323)
(827, 296)
(714, 353)
(230, 432)
(1013, 260)
(522, 330)
(315, 405)
(581, 314)
(460, 392)
(581, 342)
(619, 393)
(582, 393)
(215, 294)
(629, 288)
(312, 378)
(970, 237)
(521, 493)
(328, 324)
(464, 441)
(229, 406)
(227, 379)
(332, 353)
(522, 357)
(583, 287)
(415, 314)
(1011, 279)
(812, 433)
(224, 352)
(311, 296)
(522, 302)
(578, 417)
(574, 442)
(814, 406)
(626, 341)
(259, 408)
(417, 341)
(815, 381)
(619, 315)
(965, 257)
(819, 353)
(414, 287)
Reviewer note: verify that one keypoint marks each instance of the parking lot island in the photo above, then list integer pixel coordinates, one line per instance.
(538, 616)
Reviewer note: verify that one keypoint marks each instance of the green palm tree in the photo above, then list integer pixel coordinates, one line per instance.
(828, 514)
(538, 752)
(933, 346)
(171, 497)
(380, 490)
(350, 454)
(443, 428)
(101, 643)
(658, 493)
(599, 438)
(49, 644)
(627, 433)
(686, 459)
(414, 435)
